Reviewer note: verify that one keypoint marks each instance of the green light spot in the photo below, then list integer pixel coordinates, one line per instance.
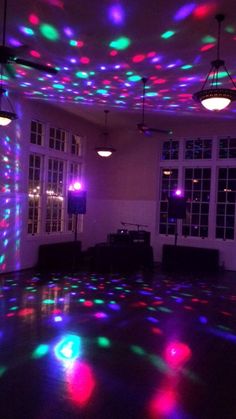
(28, 31)
(81, 300)
(134, 78)
(120, 43)
(81, 74)
(186, 67)
(92, 73)
(208, 39)
(102, 91)
(40, 351)
(167, 34)
(2, 370)
(129, 73)
(97, 301)
(103, 342)
(164, 310)
(159, 363)
(137, 350)
(49, 32)
(2, 257)
(48, 301)
(73, 43)
(151, 94)
(58, 86)
(14, 308)
(230, 29)
(221, 74)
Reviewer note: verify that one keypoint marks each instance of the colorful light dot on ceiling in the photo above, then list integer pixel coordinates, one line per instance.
(116, 14)
(103, 342)
(26, 31)
(207, 47)
(33, 19)
(35, 54)
(184, 11)
(167, 34)
(58, 86)
(84, 60)
(81, 75)
(208, 39)
(68, 31)
(40, 351)
(138, 58)
(113, 53)
(134, 78)
(120, 43)
(204, 10)
(230, 29)
(49, 32)
(186, 67)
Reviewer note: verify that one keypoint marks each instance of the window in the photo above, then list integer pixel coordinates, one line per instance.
(34, 193)
(55, 200)
(169, 182)
(197, 193)
(225, 211)
(170, 150)
(198, 149)
(227, 148)
(57, 139)
(37, 133)
(76, 145)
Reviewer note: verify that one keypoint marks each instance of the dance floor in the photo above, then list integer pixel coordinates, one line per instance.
(143, 346)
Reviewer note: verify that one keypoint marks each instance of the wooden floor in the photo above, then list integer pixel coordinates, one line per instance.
(95, 346)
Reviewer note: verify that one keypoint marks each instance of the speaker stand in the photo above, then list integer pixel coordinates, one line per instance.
(76, 227)
(176, 231)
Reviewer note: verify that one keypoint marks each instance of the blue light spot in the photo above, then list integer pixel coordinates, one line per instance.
(116, 14)
(184, 11)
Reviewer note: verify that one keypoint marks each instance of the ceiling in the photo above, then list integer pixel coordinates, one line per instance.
(102, 49)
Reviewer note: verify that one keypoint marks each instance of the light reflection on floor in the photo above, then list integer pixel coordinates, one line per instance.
(111, 346)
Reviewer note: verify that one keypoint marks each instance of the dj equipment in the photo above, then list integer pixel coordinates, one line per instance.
(130, 237)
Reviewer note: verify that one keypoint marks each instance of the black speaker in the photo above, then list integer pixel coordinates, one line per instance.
(177, 207)
(76, 202)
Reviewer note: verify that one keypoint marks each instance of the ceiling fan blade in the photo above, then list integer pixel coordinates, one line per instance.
(9, 69)
(36, 66)
(20, 50)
(161, 131)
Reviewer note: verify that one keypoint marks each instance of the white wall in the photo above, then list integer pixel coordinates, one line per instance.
(122, 188)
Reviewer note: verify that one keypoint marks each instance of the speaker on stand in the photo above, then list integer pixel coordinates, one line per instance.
(177, 210)
(76, 205)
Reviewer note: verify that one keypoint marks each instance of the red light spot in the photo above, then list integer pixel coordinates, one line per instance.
(105, 82)
(33, 19)
(25, 312)
(159, 81)
(80, 44)
(204, 10)
(35, 54)
(80, 383)
(84, 60)
(207, 47)
(158, 66)
(163, 404)
(177, 354)
(157, 331)
(151, 54)
(88, 303)
(138, 58)
(113, 53)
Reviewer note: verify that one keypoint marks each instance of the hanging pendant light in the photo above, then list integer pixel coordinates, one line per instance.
(6, 116)
(215, 98)
(105, 150)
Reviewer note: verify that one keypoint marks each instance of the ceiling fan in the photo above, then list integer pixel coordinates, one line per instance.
(142, 127)
(9, 55)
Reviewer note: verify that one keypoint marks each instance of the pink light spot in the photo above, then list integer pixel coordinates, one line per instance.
(138, 58)
(35, 54)
(80, 383)
(33, 19)
(84, 60)
(204, 10)
(207, 47)
(80, 44)
(177, 354)
(151, 54)
(113, 53)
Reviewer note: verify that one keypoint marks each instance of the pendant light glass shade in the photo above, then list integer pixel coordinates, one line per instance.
(105, 150)
(5, 116)
(215, 98)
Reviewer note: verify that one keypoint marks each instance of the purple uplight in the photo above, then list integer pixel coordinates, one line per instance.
(76, 186)
(178, 192)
